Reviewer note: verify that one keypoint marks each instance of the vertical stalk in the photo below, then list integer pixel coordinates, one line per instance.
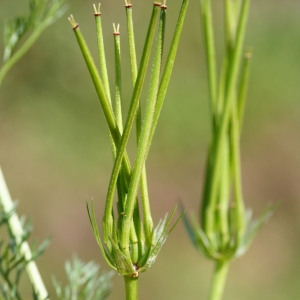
(220, 134)
(101, 51)
(219, 278)
(133, 108)
(148, 222)
(118, 77)
(131, 287)
(143, 143)
(16, 229)
(208, 31)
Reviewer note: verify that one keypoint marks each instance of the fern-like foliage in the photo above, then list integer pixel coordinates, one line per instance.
(84, 282)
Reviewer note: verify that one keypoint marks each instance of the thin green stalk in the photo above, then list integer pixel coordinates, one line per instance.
(219, 278)
(111, 122)
(144, 137)
(99, 87)
(239, 207)
(221, 132)
(104, 77)
(166, 75)
(148, 222)
(97, 81)
(223, 205)
(16, 228)
(122, 185)
(131, 42)
(131, 287)
(132, 112)
(208, 31)
(243, 87)
(101, 52)
(118, 78)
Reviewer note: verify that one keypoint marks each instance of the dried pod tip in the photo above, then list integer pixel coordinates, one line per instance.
(73, 22)
(164, 5)
(116, 29)
(128, 4)
(97, 11)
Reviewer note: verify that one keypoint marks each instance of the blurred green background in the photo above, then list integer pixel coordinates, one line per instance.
(55, 151)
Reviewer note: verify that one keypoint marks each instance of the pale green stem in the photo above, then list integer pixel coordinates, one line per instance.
(239, 207)
(16, 229)
(208, 31)
(131, 43)
(143, 143)
(166, 75)
(99, 87)
(244, 87)
(101, 53)
(132, 112)
(221, 131)
(118, 77)
(108, 220)
(131, 287)
(219, 278)
(148, 222)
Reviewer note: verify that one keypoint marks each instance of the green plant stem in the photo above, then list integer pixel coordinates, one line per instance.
(166, 75)
(243, 87)
(209, 203)
(208, 32)
(144, 137)
(21, 51)
(148, 222)
(101, 52)
(15, 227)
(131, 287)
(132, 113)
(219, 278)
(100, 90)
(118, 76)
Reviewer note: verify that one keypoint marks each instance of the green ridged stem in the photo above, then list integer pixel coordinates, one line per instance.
(218, 282)
(132, 112)
(144, 137)
(166, 74)
(108, 222)
(101, 52)
(207, 22)
(131, 288)
(208, 208)
(118, 78)
(244, 86)
(148, 222)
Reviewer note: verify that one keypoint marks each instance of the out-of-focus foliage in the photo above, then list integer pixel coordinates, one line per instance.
(21, 32)
(12, 263)
(41, 14)
(84, 282)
